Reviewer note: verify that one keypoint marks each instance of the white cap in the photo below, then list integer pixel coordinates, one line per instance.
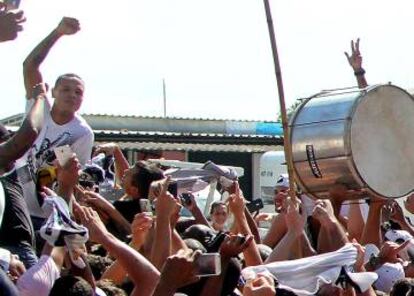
(282, 181)
(370, 250)
(394, 235)
(388, 275)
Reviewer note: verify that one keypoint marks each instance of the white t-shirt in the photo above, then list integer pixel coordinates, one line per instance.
(76, 133)
(39, 279)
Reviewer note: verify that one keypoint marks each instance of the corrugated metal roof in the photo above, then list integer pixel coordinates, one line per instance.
(151, 146)
(160, 133)
(176, 117)
(20, 117)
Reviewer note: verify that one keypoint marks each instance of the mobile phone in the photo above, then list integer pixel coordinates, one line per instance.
(214, 244)
(173, 188)
(186, 198)
(63, 154)
(255, 205)
(11, 4)
(145, 205)
(208, 264)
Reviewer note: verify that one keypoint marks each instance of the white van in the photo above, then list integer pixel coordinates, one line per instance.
(272, 164)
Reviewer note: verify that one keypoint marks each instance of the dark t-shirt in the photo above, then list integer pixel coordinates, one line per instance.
(128, 208)
(16, 226)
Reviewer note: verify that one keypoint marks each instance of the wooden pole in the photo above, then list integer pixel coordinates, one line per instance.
(286, 133)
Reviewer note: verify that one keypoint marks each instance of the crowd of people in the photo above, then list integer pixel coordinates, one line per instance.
(62, 232)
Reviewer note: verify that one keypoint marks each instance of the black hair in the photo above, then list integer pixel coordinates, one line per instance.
(70, 285)
(98, 264)
(215, 205)
(109, 288)
(145, 174)
(403, 287)
(67, 76)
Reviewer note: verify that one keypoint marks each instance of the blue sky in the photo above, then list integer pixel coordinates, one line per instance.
(213, 54)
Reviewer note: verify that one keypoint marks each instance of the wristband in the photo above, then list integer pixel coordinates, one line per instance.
(359, 72)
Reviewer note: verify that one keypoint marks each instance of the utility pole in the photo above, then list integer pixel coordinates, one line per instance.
(164, 94)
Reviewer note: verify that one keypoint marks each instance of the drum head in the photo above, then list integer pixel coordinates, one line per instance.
(382, 141)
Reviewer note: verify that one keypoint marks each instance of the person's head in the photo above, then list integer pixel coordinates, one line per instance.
(70, 285)
(202, 233)
(68, 93)
(109, 288)
(281, 190)
(219, 214)
(195, 245)
(138, 178)
(403, 287)
(98, 264)
(4, 134)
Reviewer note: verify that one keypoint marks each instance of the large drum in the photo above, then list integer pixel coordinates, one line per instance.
(361, 138)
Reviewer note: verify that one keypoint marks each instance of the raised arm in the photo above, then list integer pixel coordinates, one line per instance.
(332, 235)
(142, 273)
(31, 65)
(372, 229)
(355, 61)
(10, 23)
(237, 205)
(24, 138)
(296, 228)
(198, 215)
(121, 163)
(165, 207)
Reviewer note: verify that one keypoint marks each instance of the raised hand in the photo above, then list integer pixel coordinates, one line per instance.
(359, 263)
(97, 201)
(141, 225)
(409, 203)
(323, 211)
(166, 204)
(396, 212)
(107, 149)
(262, 285)
(10, 23)
(68, 26)
(68, 175)
(40, 90)
(180, 270)
(234, 245)
(90, 219)
(389, 252)
(295, 221)
(237, 201)
(355, 59)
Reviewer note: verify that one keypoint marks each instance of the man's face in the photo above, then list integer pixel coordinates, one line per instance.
(68, 94)
(220, 214)
(281, 193)
(127, 183)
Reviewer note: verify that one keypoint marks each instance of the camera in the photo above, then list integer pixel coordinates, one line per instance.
(185, 198)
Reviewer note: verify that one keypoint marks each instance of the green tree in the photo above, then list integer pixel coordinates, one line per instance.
(290, 110)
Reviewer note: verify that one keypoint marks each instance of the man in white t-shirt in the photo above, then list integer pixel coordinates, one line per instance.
(62, 126)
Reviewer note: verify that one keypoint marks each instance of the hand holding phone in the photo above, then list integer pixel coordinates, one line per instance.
(63, 154)
(208, 264)
(186, 198)
(255, 205)
(146, 207)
